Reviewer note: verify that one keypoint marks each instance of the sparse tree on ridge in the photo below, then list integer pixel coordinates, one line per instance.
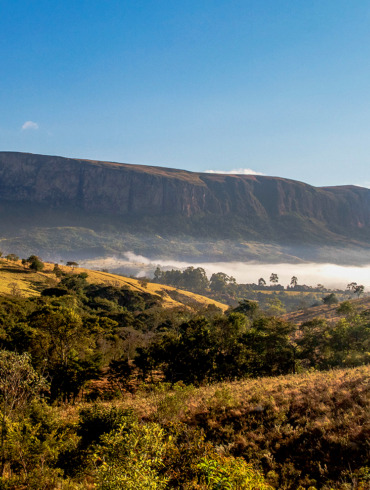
(35, 263)
(261, 281)
(157, 273)
(356, 288)
(72, 264)
(12, 257)
(359, 290)
(294, 281)
(274, 278)
(57, 270)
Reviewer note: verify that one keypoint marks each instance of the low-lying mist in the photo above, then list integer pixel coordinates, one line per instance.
(330, 275)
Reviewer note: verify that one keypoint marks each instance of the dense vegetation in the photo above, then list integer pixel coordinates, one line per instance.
(100, 385)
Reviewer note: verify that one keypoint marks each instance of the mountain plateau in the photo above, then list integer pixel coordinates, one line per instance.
(91, 207)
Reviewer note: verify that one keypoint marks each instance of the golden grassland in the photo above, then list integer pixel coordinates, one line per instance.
(304, 431)
(28, 282)
(31, 283)
(317, 391)
(329, 312)
(182, 175)
(311, 397)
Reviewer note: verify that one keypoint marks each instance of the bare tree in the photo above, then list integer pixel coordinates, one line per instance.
(15, 290)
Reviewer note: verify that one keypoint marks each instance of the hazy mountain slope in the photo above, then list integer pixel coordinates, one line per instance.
(48, 191)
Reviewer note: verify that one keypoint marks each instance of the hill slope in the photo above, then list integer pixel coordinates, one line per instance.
(308, 429)
(328, 312)
(16, 279)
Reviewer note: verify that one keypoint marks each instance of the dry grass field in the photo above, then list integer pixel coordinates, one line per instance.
(307, 430)
(329, 312)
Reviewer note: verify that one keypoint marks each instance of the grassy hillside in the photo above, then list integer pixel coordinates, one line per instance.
(329, 312)
(14, 277)
(303, 431)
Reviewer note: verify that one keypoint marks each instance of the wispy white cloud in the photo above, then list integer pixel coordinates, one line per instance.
(240, 171)
(30, 125)
(364, 184)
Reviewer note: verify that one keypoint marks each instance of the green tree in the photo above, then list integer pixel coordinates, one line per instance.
(220, 281)
(75, 282)
(330, 299)
(63, 345)
(346, 308)
(195, 279)
(12, 257)
(131, 458)
(19, 384)
(270, 349)
(231, 351)
(35, 263)
(157, 274)
(248, 308)
(344, 344)
(275, 306)
(194, 348)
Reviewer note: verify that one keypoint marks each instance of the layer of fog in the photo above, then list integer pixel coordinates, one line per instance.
(330, 275)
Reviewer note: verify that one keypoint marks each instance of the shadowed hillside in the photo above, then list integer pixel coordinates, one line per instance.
(44, 192)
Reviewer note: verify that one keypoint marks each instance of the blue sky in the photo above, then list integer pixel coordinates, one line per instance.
(279, 87)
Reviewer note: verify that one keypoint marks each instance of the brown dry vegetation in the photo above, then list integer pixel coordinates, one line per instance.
(303, 430)
(329, 312)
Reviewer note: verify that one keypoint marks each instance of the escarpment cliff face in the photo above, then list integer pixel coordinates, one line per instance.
(262, 207)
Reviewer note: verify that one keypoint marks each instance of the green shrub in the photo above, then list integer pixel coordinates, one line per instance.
(230, 473)
(131, 458)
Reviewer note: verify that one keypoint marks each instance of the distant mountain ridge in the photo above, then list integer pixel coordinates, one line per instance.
(173, 201)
